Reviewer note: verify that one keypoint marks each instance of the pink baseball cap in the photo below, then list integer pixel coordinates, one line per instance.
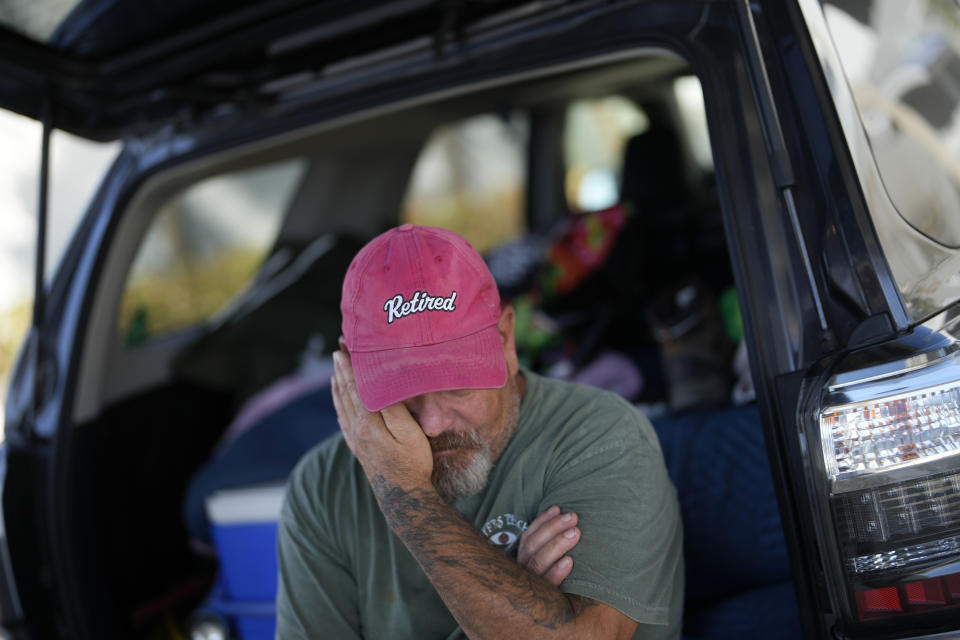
(420, 312)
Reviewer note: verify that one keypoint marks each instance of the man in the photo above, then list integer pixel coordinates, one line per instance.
(406, 526)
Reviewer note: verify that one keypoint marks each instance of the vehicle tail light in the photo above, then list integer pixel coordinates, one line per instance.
(889, 491)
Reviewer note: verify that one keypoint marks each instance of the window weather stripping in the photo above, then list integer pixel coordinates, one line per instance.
(312, 36)
(39, 292)
(776, 147)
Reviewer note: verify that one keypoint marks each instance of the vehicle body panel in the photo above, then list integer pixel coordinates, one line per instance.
(798, 314)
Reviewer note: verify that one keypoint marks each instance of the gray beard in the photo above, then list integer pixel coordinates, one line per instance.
(456, 479)
(461, 476)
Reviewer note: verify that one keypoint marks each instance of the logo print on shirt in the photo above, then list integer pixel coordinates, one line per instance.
(504, 532)
(397, 307)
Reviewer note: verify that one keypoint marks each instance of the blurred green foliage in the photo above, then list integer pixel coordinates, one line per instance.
(485, 221)
(14, 323)
(187, 294)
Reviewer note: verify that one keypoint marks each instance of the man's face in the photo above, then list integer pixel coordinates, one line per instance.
(468, 429)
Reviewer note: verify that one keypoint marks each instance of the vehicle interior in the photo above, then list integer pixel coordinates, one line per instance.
(592, 194)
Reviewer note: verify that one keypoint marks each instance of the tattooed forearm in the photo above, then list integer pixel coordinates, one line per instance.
(450, 551)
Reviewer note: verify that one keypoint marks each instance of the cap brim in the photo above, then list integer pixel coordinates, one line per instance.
(389, 376)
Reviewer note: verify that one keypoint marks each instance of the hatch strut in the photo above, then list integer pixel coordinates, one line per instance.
(776, 147)
(39, 292)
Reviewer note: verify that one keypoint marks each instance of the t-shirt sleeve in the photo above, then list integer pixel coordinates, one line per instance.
(630, 551)
(316, 595)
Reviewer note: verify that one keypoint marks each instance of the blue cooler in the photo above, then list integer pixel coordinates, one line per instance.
(244, 529)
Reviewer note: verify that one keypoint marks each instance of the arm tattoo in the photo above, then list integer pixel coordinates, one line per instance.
(440, 539)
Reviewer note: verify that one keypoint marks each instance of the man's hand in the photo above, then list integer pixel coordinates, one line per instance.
(546, 541)
(387, 443)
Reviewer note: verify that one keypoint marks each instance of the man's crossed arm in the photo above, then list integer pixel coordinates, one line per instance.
(489, 594)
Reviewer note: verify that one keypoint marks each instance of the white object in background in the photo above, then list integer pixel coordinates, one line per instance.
(249, 504)
(743, 391)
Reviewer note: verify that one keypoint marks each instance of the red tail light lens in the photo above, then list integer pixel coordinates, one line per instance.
(920, 596)
(925, 592)
(882, 601)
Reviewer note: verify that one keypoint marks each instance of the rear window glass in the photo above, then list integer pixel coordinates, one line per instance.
(595, 136)
(902, 61)
(693, 117)
(203, 248)
(471, 178)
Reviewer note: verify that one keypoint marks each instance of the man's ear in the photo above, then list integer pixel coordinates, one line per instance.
(505, 329)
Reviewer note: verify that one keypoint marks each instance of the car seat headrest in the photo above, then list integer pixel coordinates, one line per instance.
(653, 169)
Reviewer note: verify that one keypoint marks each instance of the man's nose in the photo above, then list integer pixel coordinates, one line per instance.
(430, 414)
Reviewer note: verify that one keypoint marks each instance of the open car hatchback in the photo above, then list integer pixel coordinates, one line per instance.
(741, 216)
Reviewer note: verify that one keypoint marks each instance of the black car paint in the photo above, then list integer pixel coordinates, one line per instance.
(54, 568)
(189, 58)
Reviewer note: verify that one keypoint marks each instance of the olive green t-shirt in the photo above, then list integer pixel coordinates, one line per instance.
(344, 574)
